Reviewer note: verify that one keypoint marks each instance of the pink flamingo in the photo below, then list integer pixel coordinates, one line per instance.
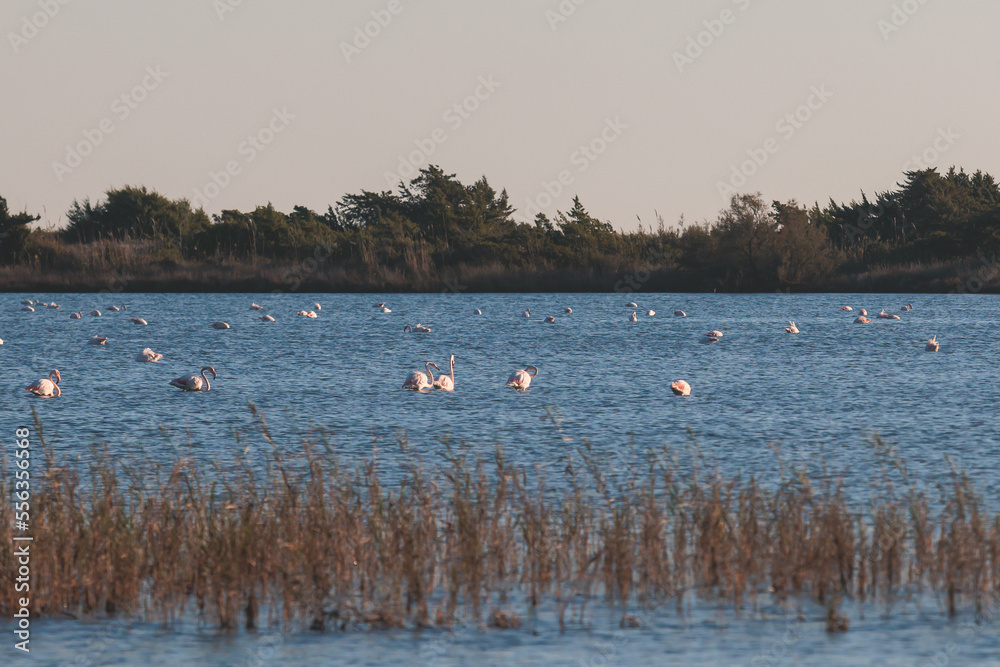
(98, 340)
(520, 380)
(417, 381)
(266, 318)
(195, 383)
(148, 356)
(446, 382)
(220, 325)
(49, 387)
(138, 320)
(862, 320)
(932, 345)
(681, 388)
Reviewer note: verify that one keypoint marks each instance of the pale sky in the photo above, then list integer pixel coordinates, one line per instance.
(199, 78)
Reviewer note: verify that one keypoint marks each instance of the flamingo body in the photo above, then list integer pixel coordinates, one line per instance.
(680, 388)
(520, 380)
(220, 325)
(446, 382)
(148, 356)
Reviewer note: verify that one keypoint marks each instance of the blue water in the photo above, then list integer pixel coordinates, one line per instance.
(820, 395)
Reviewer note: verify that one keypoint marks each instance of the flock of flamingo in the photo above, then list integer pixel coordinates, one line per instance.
(519, 380)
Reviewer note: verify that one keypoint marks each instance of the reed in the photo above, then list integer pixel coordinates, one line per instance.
(297, 536)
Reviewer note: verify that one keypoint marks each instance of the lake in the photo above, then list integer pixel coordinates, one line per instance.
(820, 395)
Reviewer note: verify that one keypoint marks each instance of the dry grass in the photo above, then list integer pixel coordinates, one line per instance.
(303, 539)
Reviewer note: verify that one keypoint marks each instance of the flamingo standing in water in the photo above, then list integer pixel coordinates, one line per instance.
(1, 341)
(680, 388)
(932, 345)
(680, 313)
(520, 380)
(266, 318)
(477, 312)
(49, 387)
(650, 313)
(568, 310)
(254, 306)
(76, 316)
(550, 319)
(862, 320)
(98, 340)
(220, 325)
(27, 309)
(385, 310)
(148, 356)
(631, 304)
(95, 313)
(138, 320)
(420, 328)
(113, 309)
(194, 382)
(632, 317)
(307, 313)
(864, 313)
(417, 381)
(527, 313)
(791, 328)
(847, 308)
(446, 382)
(54, 306)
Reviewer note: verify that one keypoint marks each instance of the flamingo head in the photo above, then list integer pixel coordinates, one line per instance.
(55, 377)
(529, 369)
(210, 369)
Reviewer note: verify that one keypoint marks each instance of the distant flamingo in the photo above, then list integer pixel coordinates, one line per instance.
(417, 329)
(113, 309)
(527, 312)
(266, 318)
(631, 304)
(148, 356)
(138, 320)
(27, 302)
(550, 319)
(791, 328)
(864, 312)
(307, 313)
(681, 388)
(385, 310)
(193, 382)
(95, 313)
(886, 316)
(477, 312)
(862, 320)
(54, 306)
(714, 334)
(446, 382)
(417, 381)
(220, 325)
(254, 306)
(1, 341)
(680, 313)
(27, 309)
(632, 317)
(650, 313)
(98, 340)
(932, 345)
(847, 308)
(568, 310)
(316, 306)
(520, 380)
(49, 387)
(76, 316)
(380, 304)
(907, 308)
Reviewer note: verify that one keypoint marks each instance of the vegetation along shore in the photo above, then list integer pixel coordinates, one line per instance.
(295, 536)
(933, 233)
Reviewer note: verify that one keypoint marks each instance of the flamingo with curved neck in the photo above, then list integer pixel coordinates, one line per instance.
(195, 383)
(520, 380)
(418, 381)
(46, 388)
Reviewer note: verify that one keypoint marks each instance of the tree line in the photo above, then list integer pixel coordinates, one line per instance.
(435, 225)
